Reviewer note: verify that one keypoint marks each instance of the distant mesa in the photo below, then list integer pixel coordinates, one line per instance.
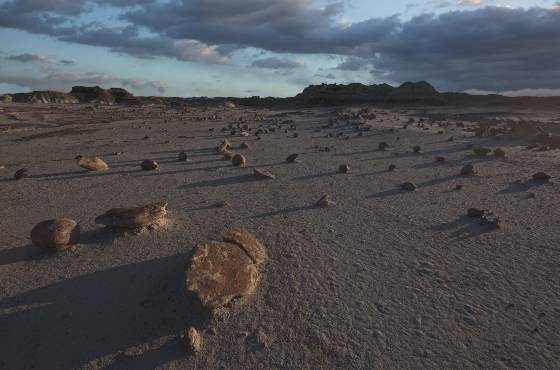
(78, 94)
(315, 95)
(334, 94)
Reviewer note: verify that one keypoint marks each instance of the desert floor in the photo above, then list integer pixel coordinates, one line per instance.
(384, 279)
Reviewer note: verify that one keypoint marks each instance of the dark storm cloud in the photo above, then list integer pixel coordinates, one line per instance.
(276, 63)
(492, 48)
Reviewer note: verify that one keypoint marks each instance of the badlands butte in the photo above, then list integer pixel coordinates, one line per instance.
(350, 227)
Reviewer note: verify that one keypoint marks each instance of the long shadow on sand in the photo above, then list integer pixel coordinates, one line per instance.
(286, 211)
(463, 227)
(314, 176)
(222, 182)
(515, 187)
(103, 314)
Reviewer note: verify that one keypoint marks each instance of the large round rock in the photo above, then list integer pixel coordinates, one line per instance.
(219, 272)
(248, 242)
(57, 234)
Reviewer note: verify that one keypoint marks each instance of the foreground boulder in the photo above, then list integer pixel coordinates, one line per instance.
(134, 218)
(248, 242)
(56, 235)
(219, 272)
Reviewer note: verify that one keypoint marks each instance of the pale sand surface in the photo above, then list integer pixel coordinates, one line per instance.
(385, 279)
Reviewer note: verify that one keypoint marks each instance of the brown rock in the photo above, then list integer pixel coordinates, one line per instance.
(391, 167)
(344, 168)
(325, 201)
(149, 165)
(416, 149)
(292, 158)
(92, 164)
(481, 151)
(498, 152)
(491, 219)
(228, 154)
(476, 213)
(409, 186)
(182, 157)
(382, 145)
(468, 170)
(21, 173)
(541, 176)
(193, 340)
(263, 174)
(136, 217)
(248, 242)
(440, 159)
(238, 160)
(218, 272)
(57, 234)
(245, 145)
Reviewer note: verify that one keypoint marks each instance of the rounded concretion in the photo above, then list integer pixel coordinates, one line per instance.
(57, 234)
(248, 242)
(238, 160)
(149, 165)
(219, 272)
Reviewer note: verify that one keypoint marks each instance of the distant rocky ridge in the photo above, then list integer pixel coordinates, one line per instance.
(315, 95)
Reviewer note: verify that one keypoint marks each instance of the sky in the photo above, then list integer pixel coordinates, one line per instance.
(277, 48)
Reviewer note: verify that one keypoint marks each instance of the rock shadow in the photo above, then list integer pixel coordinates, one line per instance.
(110, 315)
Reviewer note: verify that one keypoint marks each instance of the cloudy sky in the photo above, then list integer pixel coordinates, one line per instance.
(276, 48)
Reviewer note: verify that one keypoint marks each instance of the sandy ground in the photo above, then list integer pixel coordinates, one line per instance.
(385, 279)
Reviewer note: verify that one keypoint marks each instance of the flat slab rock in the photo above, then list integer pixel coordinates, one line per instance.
(219, 272)
(132, 218)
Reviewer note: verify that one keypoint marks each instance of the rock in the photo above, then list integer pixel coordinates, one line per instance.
(476, 213)
(325, 201)
(133, 218)
(58, 234)
(541, 176)
(193, 340)
(218, 272)
(292, 158)
(481, 151)
(451, 138)
(409, 186)
(391, 167)
(228, 154)
(230, 105)
(344, 168)
(248, 242)
(468, 170)
(149, 165)
(416, 149)
(21, 173)
(238, 160)
(263, 174)
(182, 156)
(498, 152)
(92, 164)
(458, 187)
(224, 146)
(244, 145)
(440, 159)
(491, 219)
(382, 145)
